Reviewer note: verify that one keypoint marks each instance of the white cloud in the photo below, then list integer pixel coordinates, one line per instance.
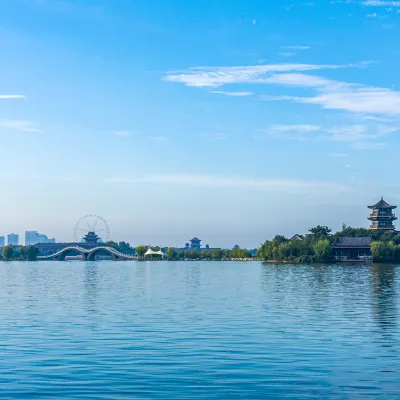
(292, 131)
(354, 98)
(357, 136)
(296, 47)
(287, 54)
(122, 133)
(379, 3)
(23, 126)
(233, 94)
(210, 180)
(12, 96)
(216, 136)
(301, 80)
(341, 155)
(372, 15)
(219, 76)
(369, 146)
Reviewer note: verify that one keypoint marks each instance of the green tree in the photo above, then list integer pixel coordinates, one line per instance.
(320, 232)
(378, 251)
(140, 250)
(216, 254)
(32, 253)
(172, 254)
(322, 249)
(182, 254)
(7, 252)
(112, 244)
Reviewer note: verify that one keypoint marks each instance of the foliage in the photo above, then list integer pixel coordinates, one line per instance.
(322, 250)
(123, 247)
(317, 246)
(140, 250)
(385, 251)
(172, 254)
(7, 252)
(240, 253)
(216, 254)
(320, 232)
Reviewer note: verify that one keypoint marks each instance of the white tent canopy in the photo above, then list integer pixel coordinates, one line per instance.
(151, 252)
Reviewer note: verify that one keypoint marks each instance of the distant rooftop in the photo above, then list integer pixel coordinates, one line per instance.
(356, 242)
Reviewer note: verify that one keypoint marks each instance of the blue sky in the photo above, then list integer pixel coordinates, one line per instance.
(228, 120)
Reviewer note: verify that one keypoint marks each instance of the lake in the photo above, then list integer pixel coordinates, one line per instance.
(199, 330)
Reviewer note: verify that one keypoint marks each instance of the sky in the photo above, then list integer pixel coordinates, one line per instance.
(229, 120)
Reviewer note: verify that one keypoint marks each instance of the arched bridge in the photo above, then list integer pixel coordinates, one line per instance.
(88, 254)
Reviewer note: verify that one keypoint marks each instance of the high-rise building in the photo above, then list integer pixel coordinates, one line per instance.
(13, 239)
(382, 216)
(34, 237)
(2, 241)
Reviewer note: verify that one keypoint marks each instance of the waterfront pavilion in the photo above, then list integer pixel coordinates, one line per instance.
(352, 249)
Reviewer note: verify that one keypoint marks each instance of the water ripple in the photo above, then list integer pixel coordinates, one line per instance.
(198, 331)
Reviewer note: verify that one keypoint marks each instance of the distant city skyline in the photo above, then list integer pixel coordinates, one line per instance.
(231, 122)
(34, 237)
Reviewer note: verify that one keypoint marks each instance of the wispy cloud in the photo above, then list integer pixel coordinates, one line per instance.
(122, 133)
(340, 155)
(357, 136)
(369, 146)
(296, 47)
(219, 76)
(16, 125)
(210, 180)
(350, 97)
(287, 54)
(330, 94)
(12, 96)
(215, 136)
(379, 3)
(233, 94)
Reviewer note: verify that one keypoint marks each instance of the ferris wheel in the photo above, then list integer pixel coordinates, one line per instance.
(93, 224)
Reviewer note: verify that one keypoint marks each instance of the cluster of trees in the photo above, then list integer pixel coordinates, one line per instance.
(27, 253)
(123, 247)
(174, 254)
(385, 251)
(221, 254)
(317, 245)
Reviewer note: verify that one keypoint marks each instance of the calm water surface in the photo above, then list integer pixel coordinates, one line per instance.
(191, 330)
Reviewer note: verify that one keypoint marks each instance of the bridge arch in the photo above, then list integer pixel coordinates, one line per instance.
(61, 255)
(88, 254)
(95, 252)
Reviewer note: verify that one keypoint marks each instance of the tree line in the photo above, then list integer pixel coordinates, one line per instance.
(25, 253)
(179, 254)
(316, 246)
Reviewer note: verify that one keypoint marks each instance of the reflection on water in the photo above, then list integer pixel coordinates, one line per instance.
(384, 295)
(187, 330)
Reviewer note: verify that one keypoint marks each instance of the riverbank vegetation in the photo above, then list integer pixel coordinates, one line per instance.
(24, 253)
(316, 246)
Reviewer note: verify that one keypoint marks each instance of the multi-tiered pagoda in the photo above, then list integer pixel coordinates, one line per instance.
(382, 216)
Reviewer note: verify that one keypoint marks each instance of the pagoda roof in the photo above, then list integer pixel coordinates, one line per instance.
(381, 205)
(195, 239)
